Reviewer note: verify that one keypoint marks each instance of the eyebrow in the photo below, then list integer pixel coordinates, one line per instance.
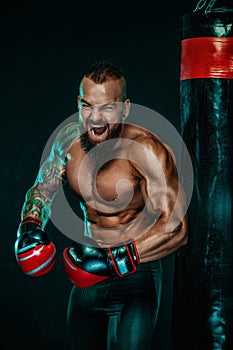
(84, 101)
(101, 105)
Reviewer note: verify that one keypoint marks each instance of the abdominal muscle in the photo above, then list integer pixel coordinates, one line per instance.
(114, 229)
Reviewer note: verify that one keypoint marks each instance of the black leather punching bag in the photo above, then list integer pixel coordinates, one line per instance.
(203, 286)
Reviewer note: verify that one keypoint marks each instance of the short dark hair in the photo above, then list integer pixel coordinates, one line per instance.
(103, 71)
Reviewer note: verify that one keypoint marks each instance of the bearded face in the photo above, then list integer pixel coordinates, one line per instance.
(101, 111)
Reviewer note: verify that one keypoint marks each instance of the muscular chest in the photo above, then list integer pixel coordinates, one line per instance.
(113, 182)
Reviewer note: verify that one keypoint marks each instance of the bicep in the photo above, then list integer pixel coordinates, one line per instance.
(165, 193)
(51, 174)
(53, 171)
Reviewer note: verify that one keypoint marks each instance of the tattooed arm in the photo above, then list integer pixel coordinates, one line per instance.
(40, 196)
(34, 252)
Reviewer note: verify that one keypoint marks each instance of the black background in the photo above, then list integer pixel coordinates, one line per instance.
(45, 47)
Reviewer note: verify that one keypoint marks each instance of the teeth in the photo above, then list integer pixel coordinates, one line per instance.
(98, 129)
(93, 131)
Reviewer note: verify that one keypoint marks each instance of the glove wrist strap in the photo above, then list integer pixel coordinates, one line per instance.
(126, 264)
(28, 224)
(31, 219)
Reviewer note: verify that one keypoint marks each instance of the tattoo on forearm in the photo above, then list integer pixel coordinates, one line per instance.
(33, 203)
(39, 197)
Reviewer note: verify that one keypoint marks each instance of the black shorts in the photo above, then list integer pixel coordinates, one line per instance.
(118, 313)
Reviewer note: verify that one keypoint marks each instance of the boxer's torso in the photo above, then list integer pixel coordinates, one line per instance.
(113, 193)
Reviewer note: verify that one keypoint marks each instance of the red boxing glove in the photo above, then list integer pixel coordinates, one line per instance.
(34, 252)
(86, 265)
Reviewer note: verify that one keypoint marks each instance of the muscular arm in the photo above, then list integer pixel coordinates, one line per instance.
(164, 196)
(40, 196)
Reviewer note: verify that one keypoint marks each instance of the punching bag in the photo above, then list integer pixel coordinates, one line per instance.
(203, 280)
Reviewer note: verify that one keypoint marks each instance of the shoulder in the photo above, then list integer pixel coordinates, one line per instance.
(150, 151)
(149, 141)
(65, 137)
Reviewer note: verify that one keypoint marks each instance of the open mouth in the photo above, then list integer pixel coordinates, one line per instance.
(98, 130)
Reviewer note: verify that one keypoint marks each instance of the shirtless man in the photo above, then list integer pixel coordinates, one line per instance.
(133, 205)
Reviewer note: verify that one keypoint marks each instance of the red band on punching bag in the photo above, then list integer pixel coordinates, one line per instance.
(207, 57)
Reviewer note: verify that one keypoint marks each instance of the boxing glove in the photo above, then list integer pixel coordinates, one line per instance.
(87, 265)
(34, 252)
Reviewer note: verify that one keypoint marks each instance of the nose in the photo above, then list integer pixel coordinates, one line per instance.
(95, 114)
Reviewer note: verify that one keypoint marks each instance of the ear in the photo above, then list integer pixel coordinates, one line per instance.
(126, 108)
